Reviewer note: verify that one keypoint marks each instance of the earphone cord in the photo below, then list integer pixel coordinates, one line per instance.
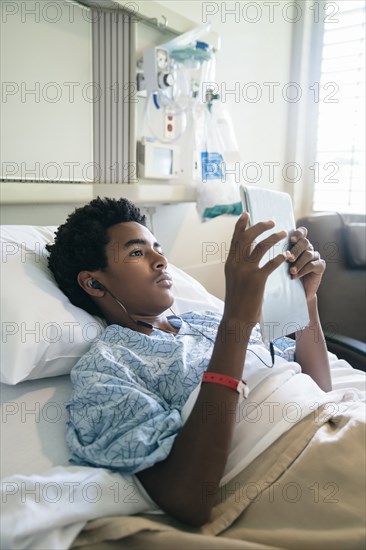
(148, 325)
(271, 346)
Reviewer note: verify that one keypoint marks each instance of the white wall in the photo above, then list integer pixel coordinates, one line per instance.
(45, 59)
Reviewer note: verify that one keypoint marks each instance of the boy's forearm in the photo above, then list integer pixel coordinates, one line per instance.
(311, 350)
(193, 470)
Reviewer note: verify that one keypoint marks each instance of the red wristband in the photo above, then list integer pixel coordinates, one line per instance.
(238, 385)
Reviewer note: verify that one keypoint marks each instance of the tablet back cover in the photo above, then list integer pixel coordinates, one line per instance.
(284, 308)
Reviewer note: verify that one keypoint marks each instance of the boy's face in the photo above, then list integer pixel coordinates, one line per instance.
(136, 272)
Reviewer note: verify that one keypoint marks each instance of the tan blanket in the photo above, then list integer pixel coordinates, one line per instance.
(305, 491)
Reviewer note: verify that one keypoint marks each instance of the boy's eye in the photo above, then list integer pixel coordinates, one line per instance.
(139, 252)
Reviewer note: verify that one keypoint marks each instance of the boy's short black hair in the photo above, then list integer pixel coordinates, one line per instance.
(80, 245)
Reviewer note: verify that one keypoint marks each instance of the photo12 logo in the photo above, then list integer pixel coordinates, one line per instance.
(70, 171)
(68, 92)
(269, 12)
(31, 11)
(271, 92)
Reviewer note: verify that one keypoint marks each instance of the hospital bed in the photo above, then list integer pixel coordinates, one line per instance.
(48, 503)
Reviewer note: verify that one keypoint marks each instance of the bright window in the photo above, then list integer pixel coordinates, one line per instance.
(339, 170)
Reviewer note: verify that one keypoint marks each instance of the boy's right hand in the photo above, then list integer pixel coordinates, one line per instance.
(245, 280)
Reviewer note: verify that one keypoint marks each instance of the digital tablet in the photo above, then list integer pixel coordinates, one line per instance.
(284, 309)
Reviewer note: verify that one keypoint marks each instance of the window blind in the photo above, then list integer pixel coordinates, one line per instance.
(339, 170)
(112, 58)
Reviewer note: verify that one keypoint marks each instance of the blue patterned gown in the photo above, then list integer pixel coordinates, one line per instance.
(129, 390)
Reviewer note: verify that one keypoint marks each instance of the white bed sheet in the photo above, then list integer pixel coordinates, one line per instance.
(279, 399)
(33, 418)
(46, 502)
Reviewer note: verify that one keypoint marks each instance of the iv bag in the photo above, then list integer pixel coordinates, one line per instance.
(214, 164)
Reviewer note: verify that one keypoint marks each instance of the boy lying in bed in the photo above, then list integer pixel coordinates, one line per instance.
(130, 388)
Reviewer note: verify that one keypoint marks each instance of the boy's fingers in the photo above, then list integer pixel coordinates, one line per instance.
(271, 265)
(243, 221)
(317, 266)
(301, 247)
(264, 246)
(306, 257)
(297, 234)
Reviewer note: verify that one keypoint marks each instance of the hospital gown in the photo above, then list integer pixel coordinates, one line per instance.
(129, 390)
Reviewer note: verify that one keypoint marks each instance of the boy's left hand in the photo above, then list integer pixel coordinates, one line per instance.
(305, 263)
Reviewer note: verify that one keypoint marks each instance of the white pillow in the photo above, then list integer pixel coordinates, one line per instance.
(43, 334)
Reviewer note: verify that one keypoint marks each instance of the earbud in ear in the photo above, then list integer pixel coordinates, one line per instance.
(95, 284)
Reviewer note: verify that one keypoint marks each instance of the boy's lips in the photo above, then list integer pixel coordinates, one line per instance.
(164, 280)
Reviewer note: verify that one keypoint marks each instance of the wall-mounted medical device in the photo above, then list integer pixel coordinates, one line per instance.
(157, 73)
(157, 160)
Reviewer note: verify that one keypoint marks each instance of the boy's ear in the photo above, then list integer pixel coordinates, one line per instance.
(85, 280)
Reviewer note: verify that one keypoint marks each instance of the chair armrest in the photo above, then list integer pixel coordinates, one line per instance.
(350, 349)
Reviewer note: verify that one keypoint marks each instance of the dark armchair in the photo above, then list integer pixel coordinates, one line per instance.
(341, 241)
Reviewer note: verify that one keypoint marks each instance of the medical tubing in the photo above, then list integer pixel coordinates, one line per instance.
(148, 121)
